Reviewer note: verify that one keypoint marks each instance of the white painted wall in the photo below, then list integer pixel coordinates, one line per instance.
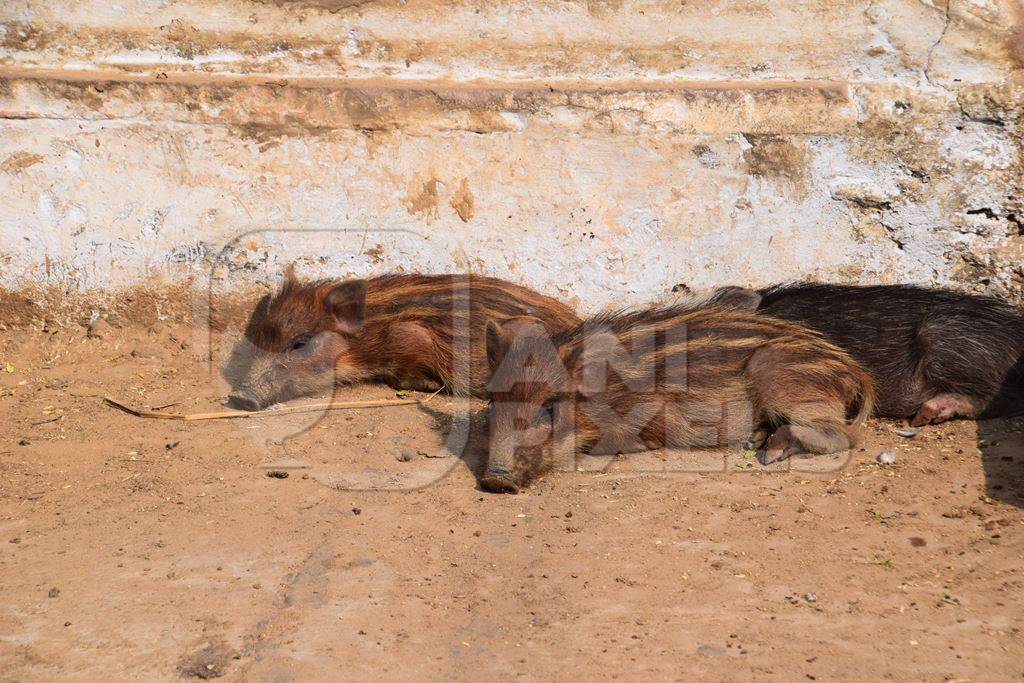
(603, 150)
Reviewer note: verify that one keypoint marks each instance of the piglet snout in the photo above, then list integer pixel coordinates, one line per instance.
(498, 479)
(243, 400)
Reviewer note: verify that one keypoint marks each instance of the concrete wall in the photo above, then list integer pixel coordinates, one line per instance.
(601, 149)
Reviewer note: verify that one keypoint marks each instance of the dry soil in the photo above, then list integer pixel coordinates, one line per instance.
(133, 548)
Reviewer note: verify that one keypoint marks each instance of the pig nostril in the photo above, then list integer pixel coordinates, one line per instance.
(243, 402)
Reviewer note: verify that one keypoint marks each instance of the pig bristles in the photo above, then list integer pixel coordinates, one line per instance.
(287, 410)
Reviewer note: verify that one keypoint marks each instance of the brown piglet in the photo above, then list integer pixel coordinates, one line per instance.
(671, 376)
(420, 332)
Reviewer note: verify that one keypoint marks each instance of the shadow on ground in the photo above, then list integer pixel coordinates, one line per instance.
(466, 436)
(1001, 443)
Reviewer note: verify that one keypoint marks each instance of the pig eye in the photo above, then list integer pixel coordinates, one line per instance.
(301, 344)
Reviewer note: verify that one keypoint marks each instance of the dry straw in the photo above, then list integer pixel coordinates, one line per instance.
(286, 410)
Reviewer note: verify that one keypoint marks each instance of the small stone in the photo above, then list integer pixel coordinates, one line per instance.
(99, 329)
(907, 432)
(886, 458)
(148, 351)
(53, 592)
(356, 511)
(810, 597)
(277, 474)
(405, 454)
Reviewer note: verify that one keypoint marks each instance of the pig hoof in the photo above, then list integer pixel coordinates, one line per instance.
(780, 446)
(803, 440)
(767, 456)
(499, 480)
(925, 416)
(756, 440)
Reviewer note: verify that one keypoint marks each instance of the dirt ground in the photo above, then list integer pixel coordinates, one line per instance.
(134, 548)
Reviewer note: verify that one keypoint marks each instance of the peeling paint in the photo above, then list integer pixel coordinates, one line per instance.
(604, 150)
(463, 202)
(425, 200)
(19, 161)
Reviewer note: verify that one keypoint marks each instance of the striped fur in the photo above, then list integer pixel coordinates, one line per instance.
(682, 376)
(410, 331)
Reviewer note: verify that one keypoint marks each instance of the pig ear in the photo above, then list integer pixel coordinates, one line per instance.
(290, 279)
(501, 334)
(346, 303)
(739, 298)
(257, 318)
(497, 343)
(520, 349)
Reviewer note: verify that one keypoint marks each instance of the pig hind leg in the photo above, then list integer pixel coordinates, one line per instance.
(794, 439)
(805, 399)
(413, 382)
(414, 361)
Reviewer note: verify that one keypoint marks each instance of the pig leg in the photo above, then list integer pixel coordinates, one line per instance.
(757, 439)
(945, 407)
(793, 439)
(414, 358)
(788, 390)
(413, 382)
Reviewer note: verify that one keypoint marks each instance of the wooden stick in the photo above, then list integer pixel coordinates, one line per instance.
(287, 410)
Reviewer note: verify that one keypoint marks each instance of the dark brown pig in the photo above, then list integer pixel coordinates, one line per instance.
(935, 354)
(670, 376)
(410, 331)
